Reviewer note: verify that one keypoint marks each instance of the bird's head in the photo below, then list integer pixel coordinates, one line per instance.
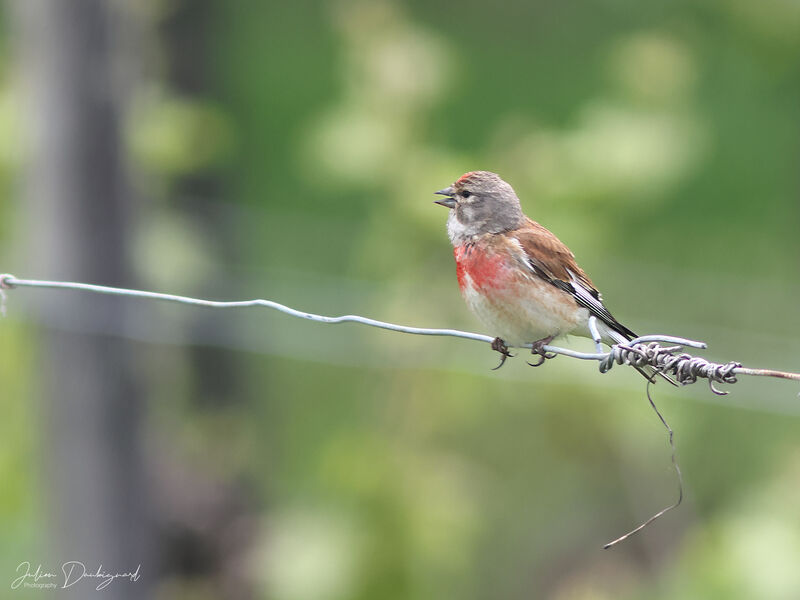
(480, 202)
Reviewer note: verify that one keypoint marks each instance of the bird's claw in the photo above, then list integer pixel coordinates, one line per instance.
(537, 348)
(538, 363)
(499, 345)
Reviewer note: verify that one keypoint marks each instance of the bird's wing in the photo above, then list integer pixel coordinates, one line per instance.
(551, 260)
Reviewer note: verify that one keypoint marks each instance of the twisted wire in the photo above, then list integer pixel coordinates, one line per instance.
(684, 367)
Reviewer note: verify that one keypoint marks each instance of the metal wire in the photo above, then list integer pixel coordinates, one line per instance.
(642, 351)
(678, 474)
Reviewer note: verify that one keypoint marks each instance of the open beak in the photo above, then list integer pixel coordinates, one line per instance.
(449, 201)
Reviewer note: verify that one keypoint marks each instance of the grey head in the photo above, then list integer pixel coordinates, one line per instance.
(480, 203)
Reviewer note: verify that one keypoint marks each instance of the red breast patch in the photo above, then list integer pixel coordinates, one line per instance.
(483, 269)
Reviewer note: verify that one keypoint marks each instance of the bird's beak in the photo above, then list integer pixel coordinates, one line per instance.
(449, 201)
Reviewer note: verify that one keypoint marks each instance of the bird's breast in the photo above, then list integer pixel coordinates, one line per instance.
(477, 268)
(516, 305)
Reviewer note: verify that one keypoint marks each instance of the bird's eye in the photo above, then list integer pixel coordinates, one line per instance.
(465, 194)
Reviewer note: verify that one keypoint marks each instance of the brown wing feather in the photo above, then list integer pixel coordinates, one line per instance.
(549, 253)
(555, 263)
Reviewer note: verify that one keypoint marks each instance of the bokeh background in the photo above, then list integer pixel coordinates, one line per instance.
(289, 150)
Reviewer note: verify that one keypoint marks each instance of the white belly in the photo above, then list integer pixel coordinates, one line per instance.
(526, 312)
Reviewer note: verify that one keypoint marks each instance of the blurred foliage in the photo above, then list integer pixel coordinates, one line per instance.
(174, 137)
(659, 140)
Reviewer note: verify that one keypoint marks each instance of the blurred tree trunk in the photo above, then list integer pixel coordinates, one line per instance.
(211, 529)
(186, 38)
(73, 54)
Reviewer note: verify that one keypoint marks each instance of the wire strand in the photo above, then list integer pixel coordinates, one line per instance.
(678, 473)
(638, 352)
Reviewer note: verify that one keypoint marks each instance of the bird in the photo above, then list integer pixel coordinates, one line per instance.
(516, 276)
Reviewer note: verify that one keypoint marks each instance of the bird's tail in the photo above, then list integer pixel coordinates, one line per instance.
(611, 336)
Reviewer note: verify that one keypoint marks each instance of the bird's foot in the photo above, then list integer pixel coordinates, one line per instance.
(499, 345)
(538, 349)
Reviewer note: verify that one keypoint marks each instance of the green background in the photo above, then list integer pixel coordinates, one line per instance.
(290, 150)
